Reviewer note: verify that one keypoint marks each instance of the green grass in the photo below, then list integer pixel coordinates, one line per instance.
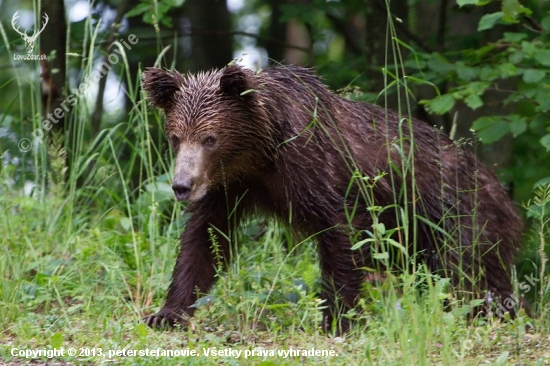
(89, 289)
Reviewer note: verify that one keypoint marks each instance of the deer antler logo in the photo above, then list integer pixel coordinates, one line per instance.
(29, 40)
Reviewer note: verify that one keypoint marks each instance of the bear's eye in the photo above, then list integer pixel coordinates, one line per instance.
(174, 140)
(209, 141)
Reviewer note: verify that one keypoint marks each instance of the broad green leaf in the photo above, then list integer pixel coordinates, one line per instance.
(161, 190)
(478, 87)
(484, 122)
(514, 37)
(441, 104)
(516, 57)
(512, 9)
(542, 97)
(439, 63)
(545, 141)
(488, 21)
(529, 48)
(461, 3)
(507, 69)
(502, 358)
(379, 228)
(542, 55)
(465, 72)
(56, 341)
(518, 124)
(126, 223)
(488, 72)
(490, 129)
(545, 23)
(533, 75)
(473, 101)
(141, 330)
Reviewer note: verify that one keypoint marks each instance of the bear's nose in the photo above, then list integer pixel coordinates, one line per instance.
(182, 188)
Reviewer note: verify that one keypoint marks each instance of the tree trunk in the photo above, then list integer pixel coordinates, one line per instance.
(53, 40)
(277, 31)
(377, 37)
(211, 38)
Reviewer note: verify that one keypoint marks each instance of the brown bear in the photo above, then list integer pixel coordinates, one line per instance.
(280, 143)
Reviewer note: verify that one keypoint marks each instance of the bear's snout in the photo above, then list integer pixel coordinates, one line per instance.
(182, 188)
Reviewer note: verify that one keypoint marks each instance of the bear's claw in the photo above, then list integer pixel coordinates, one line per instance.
(163, 320)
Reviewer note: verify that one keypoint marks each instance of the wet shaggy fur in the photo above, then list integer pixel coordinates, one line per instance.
(280, 143)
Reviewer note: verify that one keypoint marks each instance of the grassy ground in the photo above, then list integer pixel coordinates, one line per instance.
(82, 283)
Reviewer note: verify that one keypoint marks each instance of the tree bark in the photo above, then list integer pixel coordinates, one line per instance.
(277, 31)
(53, 42)
(211, 39)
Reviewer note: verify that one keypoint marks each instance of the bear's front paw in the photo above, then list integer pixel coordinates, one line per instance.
(164, 319)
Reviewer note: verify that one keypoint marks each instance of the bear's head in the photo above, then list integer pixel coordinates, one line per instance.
(216, 124)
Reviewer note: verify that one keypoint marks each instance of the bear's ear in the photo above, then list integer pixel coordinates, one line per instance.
(161, 85)
(235, 81)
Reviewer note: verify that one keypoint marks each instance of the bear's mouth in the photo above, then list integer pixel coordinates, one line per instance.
(182, 189)
(185, 190)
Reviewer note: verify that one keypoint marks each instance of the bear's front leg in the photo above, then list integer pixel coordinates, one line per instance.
(195, 268)
(343, 276)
